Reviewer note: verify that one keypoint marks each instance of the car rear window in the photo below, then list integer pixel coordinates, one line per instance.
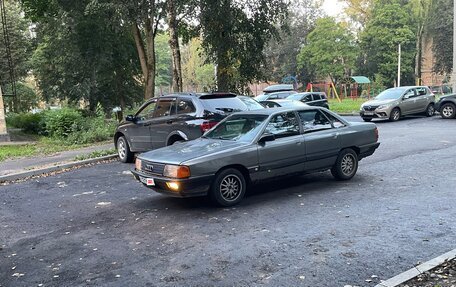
(224, 104)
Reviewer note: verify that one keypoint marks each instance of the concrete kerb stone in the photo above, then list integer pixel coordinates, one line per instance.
(417, 270)
(35, 172)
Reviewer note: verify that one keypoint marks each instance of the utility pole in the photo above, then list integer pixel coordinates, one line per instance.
(453, 76)
(4, 137)
(399, 66)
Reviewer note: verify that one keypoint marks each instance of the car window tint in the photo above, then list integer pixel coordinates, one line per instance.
(270, 104)
(224, 105)
(316, 97)
(421, 91)
(283, 125)
(185, 106)
(147, 112)
(272, 97)
(165, 107)
(410, 93)
(314, 120)
(335, 121)
(307, 98)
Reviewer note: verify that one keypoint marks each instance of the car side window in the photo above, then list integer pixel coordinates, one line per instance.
(410, 94)
(307, 98)
(335, 121)
(147, 112)
(316, 97)
(185, 106)
(165, 107)
(422, 91)
(314, 120)
(283, 125)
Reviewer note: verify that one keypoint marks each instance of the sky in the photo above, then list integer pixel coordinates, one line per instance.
(333, 7)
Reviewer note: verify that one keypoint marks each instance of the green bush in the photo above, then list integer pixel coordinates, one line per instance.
(62, 123)
(28, 122)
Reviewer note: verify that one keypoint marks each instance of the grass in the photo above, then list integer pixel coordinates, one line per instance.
(13, 151)
(346, 105)
(95, 154)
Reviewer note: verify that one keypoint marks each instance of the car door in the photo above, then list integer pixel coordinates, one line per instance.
(317, 100)
(186, 112)
(321, 139)
(408, 103)
(422, 99)
(308, 100)
(285, 154)
(138, 133)
(161, 124)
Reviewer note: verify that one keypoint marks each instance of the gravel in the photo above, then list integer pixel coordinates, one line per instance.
(441, 276)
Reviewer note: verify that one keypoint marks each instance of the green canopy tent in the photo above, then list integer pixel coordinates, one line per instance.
(354, 83)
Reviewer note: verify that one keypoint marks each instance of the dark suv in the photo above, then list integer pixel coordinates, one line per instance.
(311, 98)
(172, 118)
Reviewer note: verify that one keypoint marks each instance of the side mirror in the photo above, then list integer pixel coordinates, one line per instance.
(266, 138)
(130, 118)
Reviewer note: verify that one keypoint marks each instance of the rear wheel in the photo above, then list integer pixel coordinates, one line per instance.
(395, 115)
(123, 150)
(367, 119)
(228, 188)
(448, 111)
(346, 165)
(430, 110)
(174, 140)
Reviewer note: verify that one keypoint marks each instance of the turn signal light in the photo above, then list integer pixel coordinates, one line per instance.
(176, 171)
(138, 164)
(173, 185)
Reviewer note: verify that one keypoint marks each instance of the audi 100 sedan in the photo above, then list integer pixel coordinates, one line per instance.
(253, 146)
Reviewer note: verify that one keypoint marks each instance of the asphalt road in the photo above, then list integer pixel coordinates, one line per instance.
(96, 226)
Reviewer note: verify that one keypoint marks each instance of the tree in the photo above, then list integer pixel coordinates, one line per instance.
(441, 30)
(330, 51)
(391, 24)
(234, 35)
(282, 53)
(164, 60)
(359, 11)
(20, 44)
(197, 74)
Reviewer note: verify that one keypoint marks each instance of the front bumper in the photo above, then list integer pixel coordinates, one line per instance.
(188, 187)
(377, 114)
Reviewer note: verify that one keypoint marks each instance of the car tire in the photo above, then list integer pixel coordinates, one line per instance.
(367, 119)
(123, 150)
(346, 165)
(448, 111)
(430, 110)
(395, 115)
(175, 140)
(228, 187)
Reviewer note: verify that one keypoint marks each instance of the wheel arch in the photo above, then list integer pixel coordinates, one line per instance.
(176, 134)
(241, 168)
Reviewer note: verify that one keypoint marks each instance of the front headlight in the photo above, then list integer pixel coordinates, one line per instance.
(382, 107)
(176, 171)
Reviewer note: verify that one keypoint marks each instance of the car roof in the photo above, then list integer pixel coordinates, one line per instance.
(278, 87)
(272, 111)
(191, 94)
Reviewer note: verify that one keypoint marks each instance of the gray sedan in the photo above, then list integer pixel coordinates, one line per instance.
(254, 146)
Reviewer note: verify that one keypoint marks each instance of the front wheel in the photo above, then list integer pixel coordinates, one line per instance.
(346, 165)
(395, 115)
(123, 150)
(430, 110)
(228, 188)
(448, 111)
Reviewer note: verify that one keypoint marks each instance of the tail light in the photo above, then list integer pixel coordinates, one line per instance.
(205, 126)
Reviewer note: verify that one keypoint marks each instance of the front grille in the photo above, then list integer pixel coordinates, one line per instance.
(370, 108)
(152, 167)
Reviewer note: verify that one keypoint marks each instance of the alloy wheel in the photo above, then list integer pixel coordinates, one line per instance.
(121, 148)
(430, 110)
(396, 115)
(448, 111)
(347, 164)
(230, 187)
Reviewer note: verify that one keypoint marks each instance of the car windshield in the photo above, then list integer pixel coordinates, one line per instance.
(390, 94)
(251, 103)
(237, 128)
(262, 97)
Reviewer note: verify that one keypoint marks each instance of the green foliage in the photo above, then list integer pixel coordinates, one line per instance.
(441, 29)
(164, 75)
(391, 24)
(12, 151)
(234, 35)
(62, 123)
(28, 122)
(330, 50)
(26, 98)
(197, 74)
(95, 154)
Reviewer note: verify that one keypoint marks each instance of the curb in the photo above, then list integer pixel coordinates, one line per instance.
(348, 114)
(25, 174)
(417, 270)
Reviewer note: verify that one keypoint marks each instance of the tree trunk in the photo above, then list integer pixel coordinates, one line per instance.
(419, 53)
(174, 45)
(146, 56)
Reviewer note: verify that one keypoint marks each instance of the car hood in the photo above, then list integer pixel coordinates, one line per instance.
(378, 102)
(448, 96)
(184, 151)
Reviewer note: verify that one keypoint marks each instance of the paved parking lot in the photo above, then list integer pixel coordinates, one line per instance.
(97, 226)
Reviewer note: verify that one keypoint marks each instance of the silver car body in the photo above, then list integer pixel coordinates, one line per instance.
(304, 152)
(410, 100)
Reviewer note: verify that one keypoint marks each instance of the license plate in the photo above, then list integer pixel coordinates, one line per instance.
(368, 113)
(147, 181)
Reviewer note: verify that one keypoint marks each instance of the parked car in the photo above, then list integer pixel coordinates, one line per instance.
(274, 96)
(394, 103)
(172, 118)
(447, 106)
(253, 146)
(251, 103)
(311, 98)
(283, 103)
(278, 88)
